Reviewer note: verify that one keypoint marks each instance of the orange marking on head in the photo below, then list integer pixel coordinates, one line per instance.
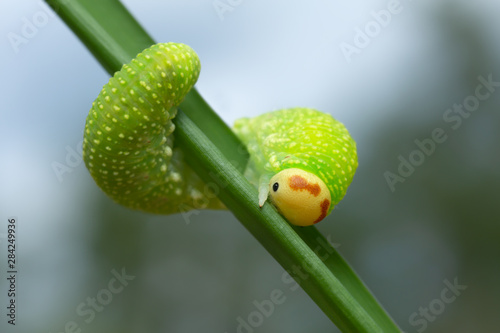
(324, 209)
(298, 183)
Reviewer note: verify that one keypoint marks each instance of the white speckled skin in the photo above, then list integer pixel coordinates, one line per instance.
(128, 142)
(129, 151)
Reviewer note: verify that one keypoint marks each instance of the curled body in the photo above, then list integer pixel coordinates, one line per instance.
(129, 145)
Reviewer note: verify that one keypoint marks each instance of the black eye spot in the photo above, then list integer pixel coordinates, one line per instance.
(275, 187)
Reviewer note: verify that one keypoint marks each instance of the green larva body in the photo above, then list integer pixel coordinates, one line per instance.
(300, 138)
(128, 141)
(129, 138)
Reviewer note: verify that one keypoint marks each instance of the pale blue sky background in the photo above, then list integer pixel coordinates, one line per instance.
(262, 56)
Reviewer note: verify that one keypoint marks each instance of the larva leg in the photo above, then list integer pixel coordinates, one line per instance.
(264, 181)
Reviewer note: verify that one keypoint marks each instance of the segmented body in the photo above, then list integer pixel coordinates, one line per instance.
(300, 138)
(128, 143)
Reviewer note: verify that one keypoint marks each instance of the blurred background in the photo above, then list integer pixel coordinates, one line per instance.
(419, 225)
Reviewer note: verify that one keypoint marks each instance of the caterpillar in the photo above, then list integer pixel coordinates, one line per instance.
(303, 160)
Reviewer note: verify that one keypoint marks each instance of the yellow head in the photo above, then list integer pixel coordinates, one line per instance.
(300, 196)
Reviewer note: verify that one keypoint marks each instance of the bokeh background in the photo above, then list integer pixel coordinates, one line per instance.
(440, 225)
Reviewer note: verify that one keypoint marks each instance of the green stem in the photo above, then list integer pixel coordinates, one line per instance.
(114, 37)
(100, 26)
